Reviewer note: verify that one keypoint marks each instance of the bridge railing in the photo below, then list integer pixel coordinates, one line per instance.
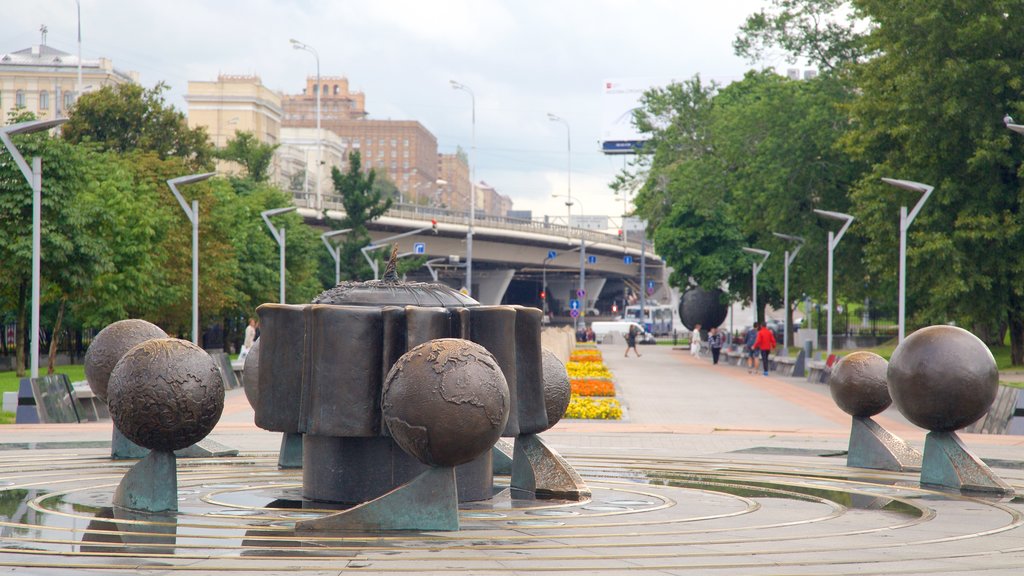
(448, 216)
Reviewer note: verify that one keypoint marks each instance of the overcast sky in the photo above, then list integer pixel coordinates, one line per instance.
(522, 59)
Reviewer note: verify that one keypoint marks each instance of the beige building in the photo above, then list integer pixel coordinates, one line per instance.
(44, 80)
(454, 170)
(298, 155)
(493, 202)
(234, 104)
(337, 103)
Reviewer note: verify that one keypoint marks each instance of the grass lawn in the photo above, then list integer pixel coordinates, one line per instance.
(9, 382)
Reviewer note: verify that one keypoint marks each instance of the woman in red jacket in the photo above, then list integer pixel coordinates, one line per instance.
(765, 342)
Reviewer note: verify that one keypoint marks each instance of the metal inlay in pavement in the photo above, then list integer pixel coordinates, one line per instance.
(747, 514)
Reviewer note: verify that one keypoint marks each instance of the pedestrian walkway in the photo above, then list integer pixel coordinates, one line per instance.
(713, 471)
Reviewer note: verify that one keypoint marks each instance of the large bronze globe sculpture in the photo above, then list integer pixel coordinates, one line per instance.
(110, 345)
(704, 307)
(943, 378)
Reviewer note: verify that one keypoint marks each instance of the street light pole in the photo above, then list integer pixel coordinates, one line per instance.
(582, 291)
(278, 235)
(833, 241)
(319, 148)
(756, 268)
(193, 217)
(335, 251)
(788, 258)
(472, 189)
(568, 142)
(34, 176)
(905, 221)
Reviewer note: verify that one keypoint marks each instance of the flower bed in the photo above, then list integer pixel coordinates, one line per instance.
(586, 355)
(593, 408)
(587, 370)
(592, 387)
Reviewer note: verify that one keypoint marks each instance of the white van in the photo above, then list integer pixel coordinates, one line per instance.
(618, 329)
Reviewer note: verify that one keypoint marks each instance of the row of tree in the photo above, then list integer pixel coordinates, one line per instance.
(914, 90)
(115, 243)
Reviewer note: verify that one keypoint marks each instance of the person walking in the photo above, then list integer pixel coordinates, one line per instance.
(250, 338)
(715, 343)
(765, 343)
(748, 348)
(631, 336)
(695, 341)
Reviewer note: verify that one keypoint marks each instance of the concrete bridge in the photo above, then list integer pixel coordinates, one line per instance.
(511, 258)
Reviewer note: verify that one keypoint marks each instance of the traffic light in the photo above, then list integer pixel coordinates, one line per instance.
(620, 234)
(433, 226)
(543, 295)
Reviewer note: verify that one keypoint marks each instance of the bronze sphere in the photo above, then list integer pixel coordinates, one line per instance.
(858, 384)
(109, 345)
(943, 378)
(556, 387)
(446, 401)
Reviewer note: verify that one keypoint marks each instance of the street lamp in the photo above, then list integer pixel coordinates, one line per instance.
(472, 190)
(568, 141)
(319, 159)
(335, 251)
(905, 221)
(582, 292)
(757, 268)
(34, 176)
(788, 258)
(193, 217)
(278, 235)
(833, 240)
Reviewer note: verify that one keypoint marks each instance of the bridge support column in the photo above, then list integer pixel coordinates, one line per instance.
(491, 285)
(593, 286)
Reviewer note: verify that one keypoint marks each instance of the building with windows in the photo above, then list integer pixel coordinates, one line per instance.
(234, 103)
(337, 103)
(402, 150)
(297, 156)
(44, 80)
(492, 202)
(454, 170)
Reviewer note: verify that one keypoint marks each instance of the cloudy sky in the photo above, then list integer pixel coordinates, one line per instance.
(522, 59)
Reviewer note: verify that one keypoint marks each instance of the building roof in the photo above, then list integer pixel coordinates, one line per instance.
(41, 55)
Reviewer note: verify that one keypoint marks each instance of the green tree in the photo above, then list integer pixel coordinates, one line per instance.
(129, 118)
(930, 109)
(363, 203)
(250, 153)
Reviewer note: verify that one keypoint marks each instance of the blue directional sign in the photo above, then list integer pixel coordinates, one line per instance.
(419, 248)
(592, 259)
(627, 259)
(650, 283)
(574, 304)
(574, 313)
(552, 254)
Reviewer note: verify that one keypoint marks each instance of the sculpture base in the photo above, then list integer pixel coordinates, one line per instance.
(874, 447)
(948, 464)
(501, 454)
(428, 502)
(121, 448)
(356, 470)
(538, 471)
(151, 485)
(290, 455)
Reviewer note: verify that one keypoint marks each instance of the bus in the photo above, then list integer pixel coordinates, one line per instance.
(657, 318)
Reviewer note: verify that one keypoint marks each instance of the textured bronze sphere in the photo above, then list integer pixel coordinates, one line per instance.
(943, 378)
(109, 345)
(556, 387)
(165, 394)
(446, 401)
(251, 375)
(858, 384)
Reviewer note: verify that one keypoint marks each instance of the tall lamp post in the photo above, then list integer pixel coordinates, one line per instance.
(905, 221)
(335, 251)
(582, 292)
(319, 150)
(833, 241)
(788, 258)
(278, 234)
(472, 188)
(756, 268)
(568, 143)
(34, 176)
(193, 217)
